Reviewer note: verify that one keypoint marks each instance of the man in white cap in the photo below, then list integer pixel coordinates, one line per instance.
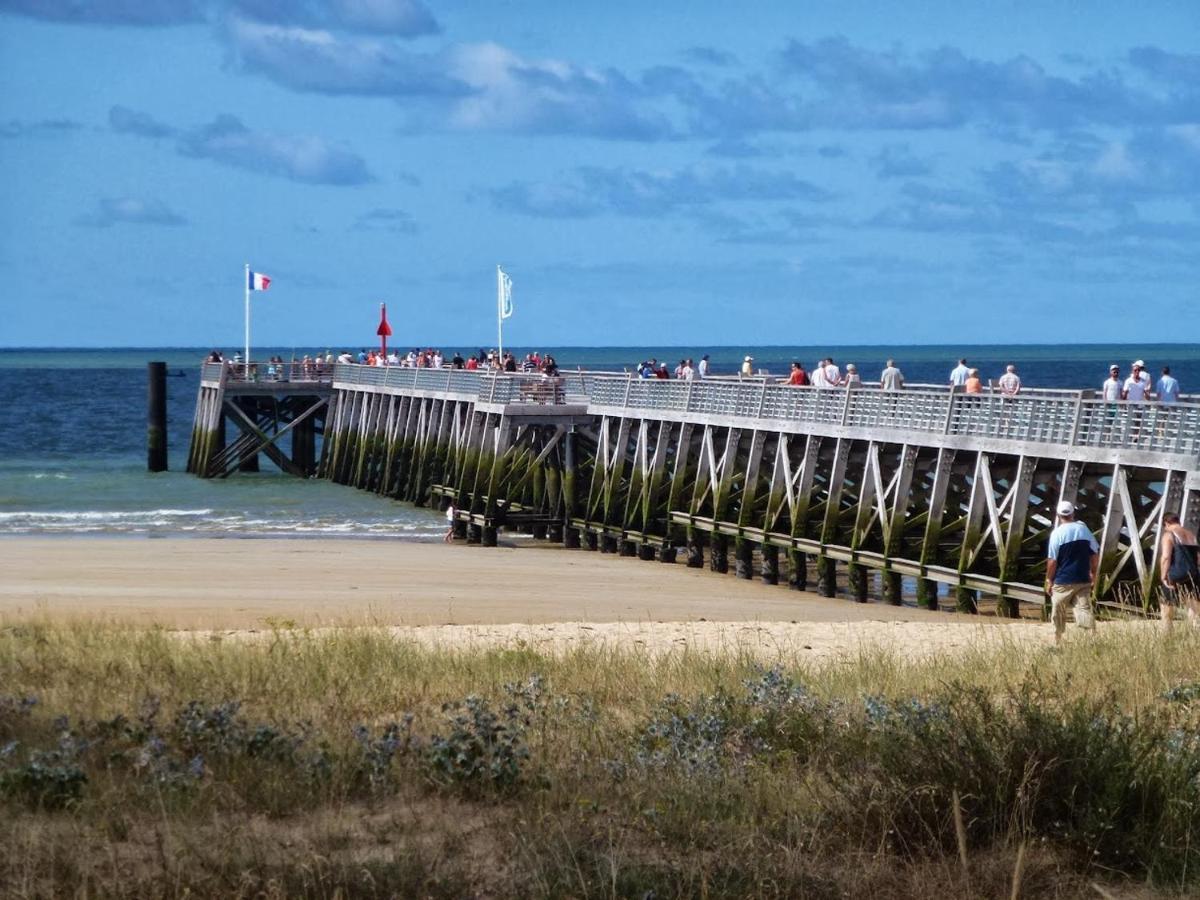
(748, 366)
(1071, 571)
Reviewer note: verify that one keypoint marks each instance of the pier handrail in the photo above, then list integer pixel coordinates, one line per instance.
(1065, 418)
(265, 371)
(1039, 416)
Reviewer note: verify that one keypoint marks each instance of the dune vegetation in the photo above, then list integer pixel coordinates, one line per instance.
(347, 762)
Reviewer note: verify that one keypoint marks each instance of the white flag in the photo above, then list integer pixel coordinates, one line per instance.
(504, 293)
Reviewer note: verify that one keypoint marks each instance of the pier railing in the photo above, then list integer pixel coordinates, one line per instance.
(1050, 417)
(266, 372)
(1059, 417)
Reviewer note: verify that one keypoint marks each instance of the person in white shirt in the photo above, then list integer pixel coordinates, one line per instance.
(1010, 382)
(833, 375)
(1137, 385)
(702, 371)
(1110, 391)
(891, 379)
(958, 375)
(689, 371)
(818, 375)
(852, 378)
(748, 366)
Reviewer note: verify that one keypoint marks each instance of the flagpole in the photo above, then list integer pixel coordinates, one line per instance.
(246, 287)
(500, 317)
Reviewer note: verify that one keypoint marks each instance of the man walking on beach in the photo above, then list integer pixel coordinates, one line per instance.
(1179, 568)
(1070, 571)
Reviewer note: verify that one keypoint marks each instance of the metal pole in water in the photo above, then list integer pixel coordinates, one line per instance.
(156, 417)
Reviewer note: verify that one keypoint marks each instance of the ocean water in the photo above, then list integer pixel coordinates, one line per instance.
(73, 435)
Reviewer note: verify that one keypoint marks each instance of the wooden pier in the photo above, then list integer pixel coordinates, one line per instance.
(897, 491)
(264, 409)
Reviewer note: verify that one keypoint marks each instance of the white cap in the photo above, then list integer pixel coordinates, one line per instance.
(748, 358)
(1139, 364)
(1066, 508)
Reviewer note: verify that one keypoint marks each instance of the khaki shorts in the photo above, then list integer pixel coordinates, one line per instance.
(1076, 596)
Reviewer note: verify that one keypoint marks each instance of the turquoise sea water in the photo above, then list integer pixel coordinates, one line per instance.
(72, 434)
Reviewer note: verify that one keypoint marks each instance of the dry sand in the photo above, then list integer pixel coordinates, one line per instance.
(523, 594)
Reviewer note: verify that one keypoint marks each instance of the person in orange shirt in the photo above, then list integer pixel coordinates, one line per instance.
(973, 384)
(799, 376)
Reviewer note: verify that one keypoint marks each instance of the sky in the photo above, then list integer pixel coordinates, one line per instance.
(673, 173)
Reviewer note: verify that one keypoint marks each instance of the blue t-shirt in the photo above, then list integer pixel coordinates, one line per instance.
(1072, 546)
(1168, 389)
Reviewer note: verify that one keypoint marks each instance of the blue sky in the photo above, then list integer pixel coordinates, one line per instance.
(672, 173)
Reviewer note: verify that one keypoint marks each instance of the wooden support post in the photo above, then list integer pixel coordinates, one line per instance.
(797, 570)
(608, 543)
(927, 593)
(893, 592)
(770, 564)
(966, 600)
(858, 579)
(590, 540)
(645, 552)
(666, 554)
(926, 588)
(743, 552)
(695, 554)
(248, 405)
(826, 576)
(156, 417)
(474, 533)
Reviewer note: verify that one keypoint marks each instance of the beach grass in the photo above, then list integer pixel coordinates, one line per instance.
(293, 762)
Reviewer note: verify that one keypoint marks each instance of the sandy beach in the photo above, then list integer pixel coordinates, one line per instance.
(530, 594)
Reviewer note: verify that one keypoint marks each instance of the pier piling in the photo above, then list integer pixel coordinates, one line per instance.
(156, 417)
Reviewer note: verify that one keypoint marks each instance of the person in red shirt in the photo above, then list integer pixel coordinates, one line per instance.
(799, 376)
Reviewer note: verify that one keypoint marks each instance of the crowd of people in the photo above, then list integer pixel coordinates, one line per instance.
(1136, 387)
(315, 365)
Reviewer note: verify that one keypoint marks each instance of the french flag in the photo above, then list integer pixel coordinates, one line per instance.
(259, 281)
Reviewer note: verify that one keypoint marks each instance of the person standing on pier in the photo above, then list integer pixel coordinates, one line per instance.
(799, 377)
(1071, 571)
(1010, 381)
(891, 379)
(1110, 391)
(702, 371)
(833, 375)
(748, 366)
(958, 375)
(1168, 387)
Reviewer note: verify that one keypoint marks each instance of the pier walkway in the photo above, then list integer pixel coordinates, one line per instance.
(905, 490)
